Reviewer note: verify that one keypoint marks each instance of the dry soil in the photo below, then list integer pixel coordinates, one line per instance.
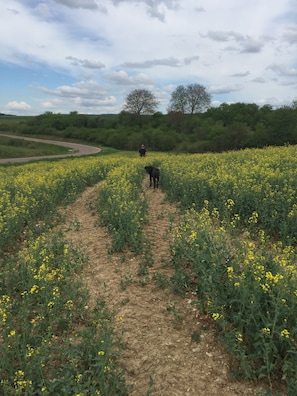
(160, 356)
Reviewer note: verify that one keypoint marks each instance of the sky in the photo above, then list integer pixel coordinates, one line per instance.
(88, 55)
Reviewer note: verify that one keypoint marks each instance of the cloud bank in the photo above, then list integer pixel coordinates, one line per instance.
(87, 55)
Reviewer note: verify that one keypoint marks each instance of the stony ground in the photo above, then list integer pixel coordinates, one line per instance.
(160, 356)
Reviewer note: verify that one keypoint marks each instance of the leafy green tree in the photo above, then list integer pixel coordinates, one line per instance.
(248, 113)
(141, 101)
(260, 136)
(283, 126)
(191, 99)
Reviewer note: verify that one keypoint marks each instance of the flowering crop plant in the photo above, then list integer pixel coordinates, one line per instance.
(122, 205)
(29, 192)
(261, 185)
(51, 343)
(235, 249)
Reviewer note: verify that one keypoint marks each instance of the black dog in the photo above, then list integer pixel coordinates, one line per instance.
(154, 175)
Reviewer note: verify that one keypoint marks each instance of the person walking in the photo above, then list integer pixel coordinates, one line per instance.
(142, 151)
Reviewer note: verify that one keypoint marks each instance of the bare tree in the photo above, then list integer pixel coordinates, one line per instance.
(141, 101)
(198, 98)
(190, 99)
(178, 101)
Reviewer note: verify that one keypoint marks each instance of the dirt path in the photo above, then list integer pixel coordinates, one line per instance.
(160, 357)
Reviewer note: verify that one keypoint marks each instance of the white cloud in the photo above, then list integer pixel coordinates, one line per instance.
(241, 74)
(85, 89)
(171, 62)
(155, 8)
(84, 97)
(260, 80)
(123, 78)
(54, 104)
(251, 45)
(241, 42)
(290, 35)
(88, 64)
(199, 9)
(223, 36)
(283, 70)
(224, 89)
(190, 59)
(43, 10)
(18, 106)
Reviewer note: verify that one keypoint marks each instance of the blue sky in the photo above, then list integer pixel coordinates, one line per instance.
(87, 55)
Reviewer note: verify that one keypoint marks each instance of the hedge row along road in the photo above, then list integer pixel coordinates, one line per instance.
(81, 149)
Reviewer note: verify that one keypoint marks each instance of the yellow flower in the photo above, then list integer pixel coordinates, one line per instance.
(253, 219)
(216, 316)
(230, 271)
(12, 333)
(273, 278)
(239, 337)
(230, 203)
(285, 333)
(266, 330)
(66, 248)
(265, 287)
(34, 289)
(56, 291)
(30, 351)
(193, 236)
(69, 304)
(78, 378)
(5, 299)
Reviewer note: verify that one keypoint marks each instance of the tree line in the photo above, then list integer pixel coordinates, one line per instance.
(191, 124)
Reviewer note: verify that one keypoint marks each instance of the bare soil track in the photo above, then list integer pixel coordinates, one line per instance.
(160, 356)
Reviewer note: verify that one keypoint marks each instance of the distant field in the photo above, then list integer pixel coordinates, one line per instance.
(16, 148)
(11, 121)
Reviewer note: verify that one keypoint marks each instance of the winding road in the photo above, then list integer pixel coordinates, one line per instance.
(81, 150)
